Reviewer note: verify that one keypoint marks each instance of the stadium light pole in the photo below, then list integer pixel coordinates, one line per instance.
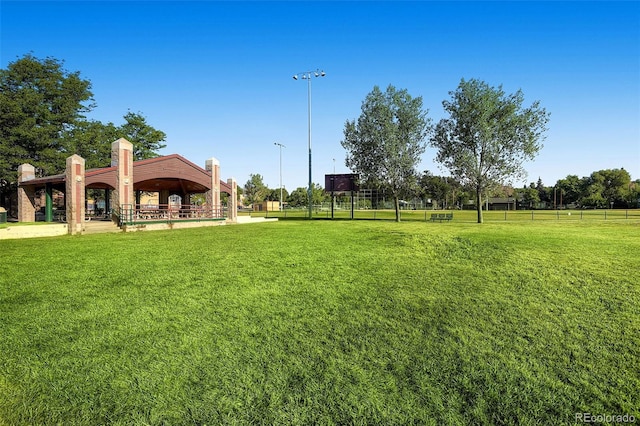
(281, 146)
(307, 75)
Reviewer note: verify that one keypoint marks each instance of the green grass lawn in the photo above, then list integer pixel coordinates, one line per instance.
(321, 322)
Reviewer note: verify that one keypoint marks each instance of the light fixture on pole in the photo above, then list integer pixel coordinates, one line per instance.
(306, 75)
(281, 146)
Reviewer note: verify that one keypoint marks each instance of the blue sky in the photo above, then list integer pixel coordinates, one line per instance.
(217, 76)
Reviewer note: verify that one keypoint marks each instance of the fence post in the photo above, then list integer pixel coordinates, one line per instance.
(531, 214)
(605, 214)
(505, 215)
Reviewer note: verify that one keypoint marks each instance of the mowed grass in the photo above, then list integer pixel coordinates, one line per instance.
(320, 322)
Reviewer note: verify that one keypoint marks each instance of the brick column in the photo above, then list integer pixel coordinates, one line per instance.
(74, 191)
(212, 165)
(26, 194)
(122, 158)
(232, 204)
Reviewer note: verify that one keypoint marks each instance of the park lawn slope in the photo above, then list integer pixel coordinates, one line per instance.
(305, 322)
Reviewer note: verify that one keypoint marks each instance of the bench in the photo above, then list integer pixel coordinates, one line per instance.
(441, 216)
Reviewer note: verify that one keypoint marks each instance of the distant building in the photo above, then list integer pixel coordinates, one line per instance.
(493, 203)
(497, 203)
(267, 206)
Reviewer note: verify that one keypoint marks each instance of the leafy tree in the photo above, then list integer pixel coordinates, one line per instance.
(42, 122)
(544, 193)
(530, 197)
(592, 196)
(299, 197)
(487, 136)
(462, 196)
(634, 194)
(145, 139)
(92, 141)
(318, 194)
(274, 194)
(39, 102)
(572, 189)
(271, 194)
(616, 185)
(255, 191)
(434, 187)
(386, 143)
(606, 188)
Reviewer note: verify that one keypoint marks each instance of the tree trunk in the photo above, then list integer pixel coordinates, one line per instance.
(479, 204)
(396, 202)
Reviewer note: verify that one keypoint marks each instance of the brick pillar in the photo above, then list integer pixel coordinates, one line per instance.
(75, 197)
(26, 194)
(122, 158)
(232, 204)
(212, 165)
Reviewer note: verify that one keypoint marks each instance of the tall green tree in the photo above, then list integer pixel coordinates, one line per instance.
(92, 141)
(387, 141)
(274, 194)
(633, 196)
(487, 136)
(592, 193)
(42, 122)
(299, 197)
(607, 188)
(545, 193)
(146, 140)
(530, 197)
(40, 102)
(435, 187)
(319, 195)
(255, 191)
(571, 189)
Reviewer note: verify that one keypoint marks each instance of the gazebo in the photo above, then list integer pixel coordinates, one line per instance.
(171, 177)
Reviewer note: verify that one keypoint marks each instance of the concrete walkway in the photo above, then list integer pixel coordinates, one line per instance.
(249, 219)
(95, 227)
(33, 231)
